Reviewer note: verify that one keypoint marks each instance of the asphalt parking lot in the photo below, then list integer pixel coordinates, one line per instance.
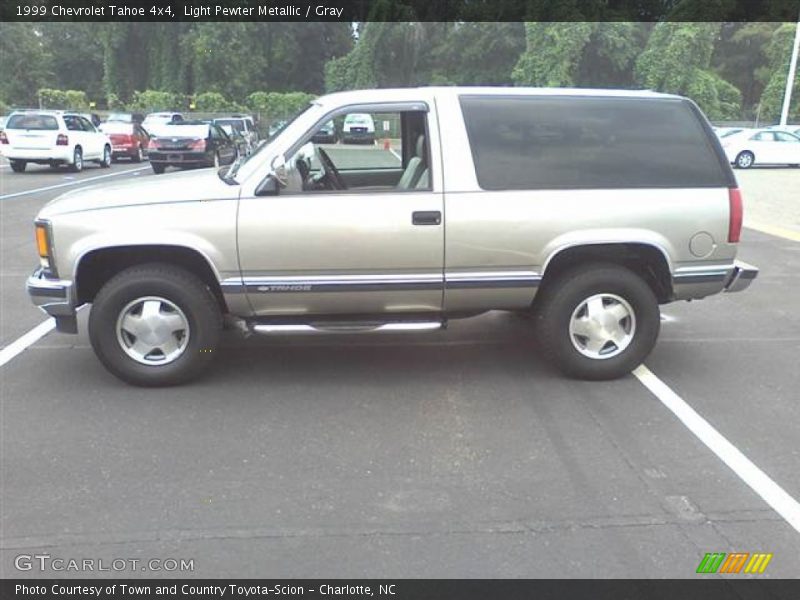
(453, 454)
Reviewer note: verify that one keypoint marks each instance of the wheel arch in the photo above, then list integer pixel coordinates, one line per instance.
(649, 261)
(95, 267)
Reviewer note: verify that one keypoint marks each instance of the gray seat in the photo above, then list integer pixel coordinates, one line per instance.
(414, 168)
(424, 180)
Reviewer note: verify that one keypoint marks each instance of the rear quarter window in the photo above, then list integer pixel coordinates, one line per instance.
(36, 122)
(568, 142)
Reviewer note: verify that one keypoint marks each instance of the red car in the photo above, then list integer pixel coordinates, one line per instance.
(128, 140)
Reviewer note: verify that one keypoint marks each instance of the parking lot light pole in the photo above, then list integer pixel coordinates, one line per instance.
(787, 96)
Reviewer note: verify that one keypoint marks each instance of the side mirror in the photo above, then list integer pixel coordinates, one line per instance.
(279, 171)
(268, 187)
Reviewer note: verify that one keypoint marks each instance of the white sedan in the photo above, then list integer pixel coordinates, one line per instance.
(762, 147)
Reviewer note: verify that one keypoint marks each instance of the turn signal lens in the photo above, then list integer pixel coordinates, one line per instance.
(42, 241)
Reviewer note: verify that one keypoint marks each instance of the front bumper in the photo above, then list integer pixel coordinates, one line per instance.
(56, 297)
(742, 276)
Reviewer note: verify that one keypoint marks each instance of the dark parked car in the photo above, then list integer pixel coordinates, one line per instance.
(128, 140)
(191, 144)
(325, 134)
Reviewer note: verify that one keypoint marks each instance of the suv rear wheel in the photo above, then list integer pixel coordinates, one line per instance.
(18, 166)
(155, 325)
(105, 162)
(598, 321)
(77, 160)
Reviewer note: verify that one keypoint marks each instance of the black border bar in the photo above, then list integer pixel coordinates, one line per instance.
(401, 10)
(412, 589)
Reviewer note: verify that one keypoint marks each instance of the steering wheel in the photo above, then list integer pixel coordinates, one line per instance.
(331, 173)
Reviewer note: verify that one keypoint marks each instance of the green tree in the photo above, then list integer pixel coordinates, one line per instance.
(677, 60)
(608, 57)
(779, 51)
(740, 57)
(552, 53)
(76, 56)
(470, 53)
(26, 64)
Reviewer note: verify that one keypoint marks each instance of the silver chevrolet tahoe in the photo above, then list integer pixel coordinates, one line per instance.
(586, 209)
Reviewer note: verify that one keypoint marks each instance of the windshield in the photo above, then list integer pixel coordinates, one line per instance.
(34, 121)
(229, 124)
(195, 131)
(245, 164)
(358, 119)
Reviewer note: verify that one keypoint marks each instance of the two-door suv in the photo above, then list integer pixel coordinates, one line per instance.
(586, 209)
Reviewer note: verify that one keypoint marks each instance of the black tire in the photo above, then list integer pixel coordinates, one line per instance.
(77, 160)
(560, 298)
(158, 168)
(18, 166)
(105, 162)
(745, 160)
(174, 284)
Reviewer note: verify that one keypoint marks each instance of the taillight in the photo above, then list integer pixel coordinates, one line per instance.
(3, 137)
(198, 145)
(62, 140)
(736, 215)
(153, 143)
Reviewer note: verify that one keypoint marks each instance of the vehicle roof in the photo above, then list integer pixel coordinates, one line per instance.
(412, 94)
(48, 112)
(42, 111)
(163, 114)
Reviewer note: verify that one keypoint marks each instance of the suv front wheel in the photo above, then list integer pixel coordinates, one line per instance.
(598, 321)
(155, 325)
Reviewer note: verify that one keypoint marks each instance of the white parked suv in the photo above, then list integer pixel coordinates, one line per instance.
(55, 138)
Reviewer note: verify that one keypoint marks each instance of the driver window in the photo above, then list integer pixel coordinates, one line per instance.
(365, 153)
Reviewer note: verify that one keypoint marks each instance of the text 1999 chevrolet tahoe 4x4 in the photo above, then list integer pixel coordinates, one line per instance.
(586, 208)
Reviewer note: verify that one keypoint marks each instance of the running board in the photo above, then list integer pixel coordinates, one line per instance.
(344, 328)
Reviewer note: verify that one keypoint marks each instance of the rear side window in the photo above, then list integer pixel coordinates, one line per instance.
(38, 122)
(558, 142)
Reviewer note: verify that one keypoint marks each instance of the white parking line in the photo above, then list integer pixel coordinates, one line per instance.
(76, 182)
(19, 345)
(400, 158)
(773, 494)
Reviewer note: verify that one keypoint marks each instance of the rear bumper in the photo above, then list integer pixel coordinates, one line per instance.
(694, 282)
(355, 137)
(45, 155)
(123, 150)
(55, 297)
(179, 158)
(742, 276)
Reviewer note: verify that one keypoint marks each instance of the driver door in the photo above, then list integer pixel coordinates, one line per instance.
(365, 250)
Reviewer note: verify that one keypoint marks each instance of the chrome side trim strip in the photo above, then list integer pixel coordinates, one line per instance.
(492, 280)
(301, 329)
(379, 283)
